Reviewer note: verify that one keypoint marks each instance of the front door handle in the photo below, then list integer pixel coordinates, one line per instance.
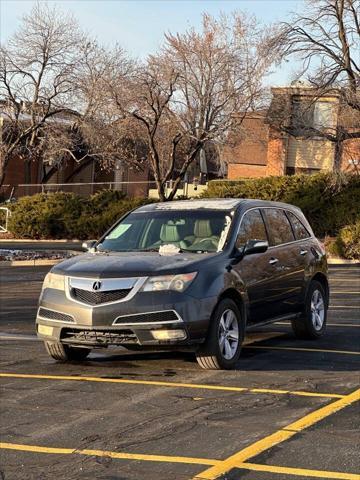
(273, 260)
(303, 252)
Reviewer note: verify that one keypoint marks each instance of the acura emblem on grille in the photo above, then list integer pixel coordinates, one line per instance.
(96, 286)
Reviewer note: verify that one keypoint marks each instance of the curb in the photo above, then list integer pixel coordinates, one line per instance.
(27, 240)
(29, 263)
(342, 261)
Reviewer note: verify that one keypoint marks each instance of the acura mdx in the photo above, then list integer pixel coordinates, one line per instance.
(189, 274)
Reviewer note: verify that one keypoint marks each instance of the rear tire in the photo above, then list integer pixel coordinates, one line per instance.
(222, 347)
(65, 353)
(312, 324)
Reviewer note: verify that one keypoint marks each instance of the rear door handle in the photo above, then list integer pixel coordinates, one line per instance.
(273, 260)
(303, 252)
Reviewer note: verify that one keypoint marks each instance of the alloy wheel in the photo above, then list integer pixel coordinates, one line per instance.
(228, 334)
(317, 308)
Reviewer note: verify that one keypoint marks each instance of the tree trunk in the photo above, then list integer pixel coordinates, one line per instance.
(175, 188)
(183, 171)
(4, 161)
(2, 172)
(339, 147)
(161, 190)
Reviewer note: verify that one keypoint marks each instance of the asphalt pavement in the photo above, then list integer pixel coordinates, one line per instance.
(288, 411)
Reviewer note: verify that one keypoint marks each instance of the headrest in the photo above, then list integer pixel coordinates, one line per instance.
(169, 233)
(202, 229)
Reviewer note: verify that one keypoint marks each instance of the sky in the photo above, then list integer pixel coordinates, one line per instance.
(139, 25)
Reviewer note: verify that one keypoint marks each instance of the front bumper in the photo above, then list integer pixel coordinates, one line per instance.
(123, 323)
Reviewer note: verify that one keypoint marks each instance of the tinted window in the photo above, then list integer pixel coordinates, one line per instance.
(252, 228)
(299, 229)
(279, 226)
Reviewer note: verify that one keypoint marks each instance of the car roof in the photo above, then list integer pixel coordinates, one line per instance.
(212, 204)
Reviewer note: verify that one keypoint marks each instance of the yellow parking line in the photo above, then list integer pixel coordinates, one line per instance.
(342, 325)
(171, 384)
(299, 349)
(106, 453)
(350, 307)
(303, 472)
(177, 459)
(336, 278)
(345, 291)
(278, 437)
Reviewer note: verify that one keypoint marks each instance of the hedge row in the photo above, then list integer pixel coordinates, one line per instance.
(330, 201)
(347, 243)
(66, 215)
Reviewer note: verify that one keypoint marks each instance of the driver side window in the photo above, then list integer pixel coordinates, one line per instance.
(252, 228)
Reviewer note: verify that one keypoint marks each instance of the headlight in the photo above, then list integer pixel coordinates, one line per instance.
(178, 283)
(53, 280)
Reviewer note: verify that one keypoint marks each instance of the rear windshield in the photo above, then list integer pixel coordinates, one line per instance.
(195, 231)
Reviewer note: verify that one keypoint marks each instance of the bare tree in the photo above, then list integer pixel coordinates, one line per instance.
(101, 127)
(327, 40)
(187, 96)
(36, 81)
(52, 102)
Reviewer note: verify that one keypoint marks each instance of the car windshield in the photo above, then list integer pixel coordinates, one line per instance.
(195, 231)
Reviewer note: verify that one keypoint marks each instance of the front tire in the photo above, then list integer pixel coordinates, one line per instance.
(312, 324)
(222, 347)
(65, 353)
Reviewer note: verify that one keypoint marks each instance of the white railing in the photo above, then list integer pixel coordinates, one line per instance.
(4, 228)
(138, 189)
(132, 189)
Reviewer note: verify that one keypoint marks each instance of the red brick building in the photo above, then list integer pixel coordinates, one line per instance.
(263, 145)
(85, 179)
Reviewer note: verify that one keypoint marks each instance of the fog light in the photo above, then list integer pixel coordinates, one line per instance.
(168, 334)
(45, 330)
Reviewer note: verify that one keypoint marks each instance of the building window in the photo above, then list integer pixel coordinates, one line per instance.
(324, 115)
(307, 115)
(302, 115)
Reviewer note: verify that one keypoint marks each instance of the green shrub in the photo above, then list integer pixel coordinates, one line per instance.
(347, 243)
(100, 200)
(95, 221)
(46, 215)
(329, 200)
(66, 215)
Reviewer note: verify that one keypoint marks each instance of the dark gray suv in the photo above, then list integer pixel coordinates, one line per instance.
(189, 274)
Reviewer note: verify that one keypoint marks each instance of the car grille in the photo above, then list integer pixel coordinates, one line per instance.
(164, 316)
(98, 338)
(97, 298)
(51, 315)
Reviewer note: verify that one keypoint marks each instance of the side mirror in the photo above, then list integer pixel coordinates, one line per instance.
(89, 245)
(255, 246)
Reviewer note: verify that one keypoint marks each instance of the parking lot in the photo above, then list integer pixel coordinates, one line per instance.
(288, 411)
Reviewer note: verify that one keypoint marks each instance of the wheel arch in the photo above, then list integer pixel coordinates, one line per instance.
(234, 295)
(322, 278)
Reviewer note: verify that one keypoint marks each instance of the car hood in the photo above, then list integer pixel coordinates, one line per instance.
(129, 264)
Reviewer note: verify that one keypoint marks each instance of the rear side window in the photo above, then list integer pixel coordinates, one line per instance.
(279, 226)
(299, 229)
(252, 228)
